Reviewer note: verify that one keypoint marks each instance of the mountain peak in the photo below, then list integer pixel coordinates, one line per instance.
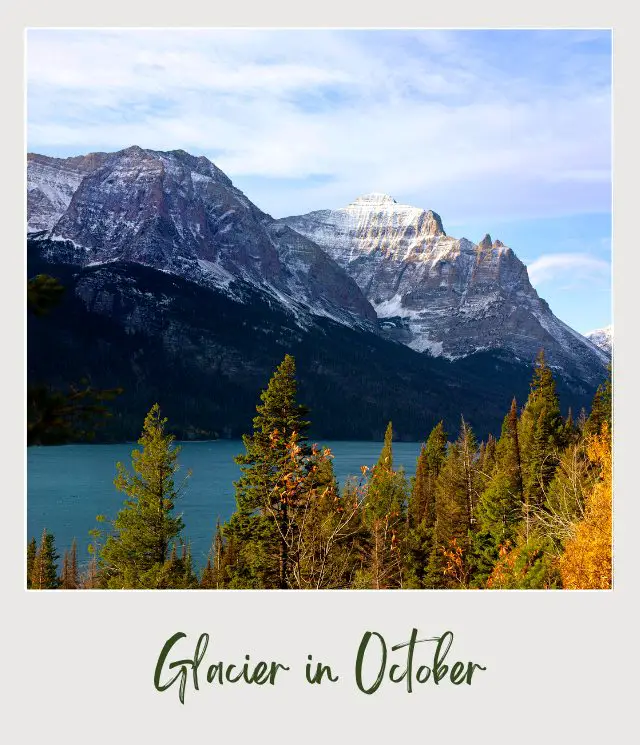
(132, 150)
(486, 242)
(375, 199)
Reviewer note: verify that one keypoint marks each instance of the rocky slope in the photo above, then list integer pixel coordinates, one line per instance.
(602, 338)
(182, 291)
(205, 358)
(443, 295)
(179, 213)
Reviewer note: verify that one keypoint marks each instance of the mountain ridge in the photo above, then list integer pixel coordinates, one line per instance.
(115, 224)
(181, 213)
(443, 295)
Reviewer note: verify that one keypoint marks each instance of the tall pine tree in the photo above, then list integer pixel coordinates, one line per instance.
(69, 578)
(422, 507)
(44, 572)
(541, 435)
(135, 555)
(500, 508)
(456, 499)
(387, 490)
(601, 408)
(383, 522)
(262, 515)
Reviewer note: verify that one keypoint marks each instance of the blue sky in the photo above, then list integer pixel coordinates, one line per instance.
(505, 132)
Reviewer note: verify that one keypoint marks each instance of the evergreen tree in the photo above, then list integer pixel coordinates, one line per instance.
(32, 548)
(456, 499)
(429, 463)
(508, 454)
(384, 521)
(215, 575)
(262, 515)
(135, 555)
(55, 416)
(44, 573)
(542, 436)
(531, 565)
(500, 508)
(487, 459)
(601, 408)
(571, 429)
(422, 507)
(207, 580)
(387, 490)
(177, 572)
(69, 575)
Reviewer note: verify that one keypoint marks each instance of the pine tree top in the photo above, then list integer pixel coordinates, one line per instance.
(279, 409)
(542, 382)
(386, 454)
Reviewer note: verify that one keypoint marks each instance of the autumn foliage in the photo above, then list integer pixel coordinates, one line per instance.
(586, 562)
(529, 510)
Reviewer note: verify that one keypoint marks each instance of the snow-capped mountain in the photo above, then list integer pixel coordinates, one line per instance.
(375, 264)
(440, 294)
(181, 214)
(602, 338)
(179, 289)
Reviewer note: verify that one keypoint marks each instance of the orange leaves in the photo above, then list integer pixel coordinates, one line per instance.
(587, 562)
(456, 564)
(504, 549)
(505, 568)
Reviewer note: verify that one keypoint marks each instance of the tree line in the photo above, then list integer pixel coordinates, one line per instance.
(530, 509)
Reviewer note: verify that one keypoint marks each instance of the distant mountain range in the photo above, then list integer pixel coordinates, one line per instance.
(602, 338)
(181, 289)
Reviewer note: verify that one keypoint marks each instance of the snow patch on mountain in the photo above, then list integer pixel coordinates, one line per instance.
(424, 344)
(49, 191)
(602, 338)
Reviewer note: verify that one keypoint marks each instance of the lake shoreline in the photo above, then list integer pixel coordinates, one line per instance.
(68, 485)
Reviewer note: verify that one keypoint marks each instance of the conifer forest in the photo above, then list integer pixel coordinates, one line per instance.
(528, 508)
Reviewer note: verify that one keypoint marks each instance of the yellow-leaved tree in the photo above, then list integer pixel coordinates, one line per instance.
(586, 562)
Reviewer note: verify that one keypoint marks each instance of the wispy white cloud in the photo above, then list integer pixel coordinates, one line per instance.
(493, 130)
(464, 123)
(568, 268)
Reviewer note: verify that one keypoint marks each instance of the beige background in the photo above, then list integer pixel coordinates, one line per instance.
(561, 666)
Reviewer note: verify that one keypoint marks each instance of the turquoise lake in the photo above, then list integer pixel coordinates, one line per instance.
(68, 485)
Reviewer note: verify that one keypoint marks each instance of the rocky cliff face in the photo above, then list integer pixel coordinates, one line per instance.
(180, 290)
(374, 264)
(205, 358)
(179, 213)
(443, 295)
(51, 182)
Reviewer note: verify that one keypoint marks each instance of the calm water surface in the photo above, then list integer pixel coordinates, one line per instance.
(67, 486)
